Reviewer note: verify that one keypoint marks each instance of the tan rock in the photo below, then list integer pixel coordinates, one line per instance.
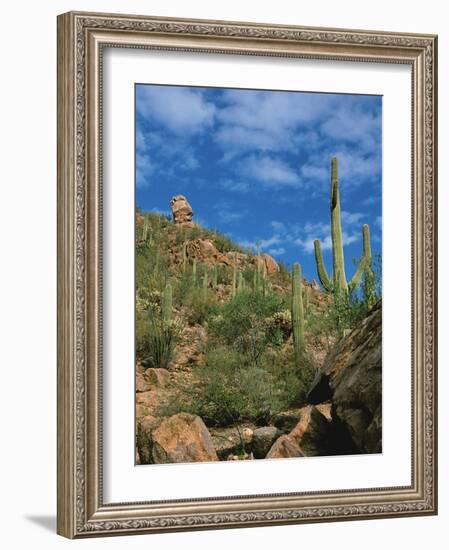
(144, 438)
(204, 250)
(141, 384)
(156, 377)
(146, 398)
(141, 411)
(228, 441)
(313, 432)
(182, 438)
(181, 210)
(270, 264)
(263, 439)
(285, 447)
(153, 399)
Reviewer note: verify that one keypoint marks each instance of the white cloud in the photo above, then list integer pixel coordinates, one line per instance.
(354, 169)
(228, 216)
(279, 227)
(267, 121)
(276, 251)
(265, 244)
(233, 185)
(351, 123)
(271, 171)
(322, 231)
(235, 140)
(373, 199)
(178, 109)
(351, 218)
(144, 169)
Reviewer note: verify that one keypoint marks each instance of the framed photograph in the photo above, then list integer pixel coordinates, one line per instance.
(247, 274)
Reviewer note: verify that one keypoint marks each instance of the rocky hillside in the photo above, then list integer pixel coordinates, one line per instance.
(218, 376)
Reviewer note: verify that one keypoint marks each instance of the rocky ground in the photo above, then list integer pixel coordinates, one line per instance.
(344, 415)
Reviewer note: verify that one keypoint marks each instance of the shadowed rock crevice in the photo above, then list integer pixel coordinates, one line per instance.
(351, 378)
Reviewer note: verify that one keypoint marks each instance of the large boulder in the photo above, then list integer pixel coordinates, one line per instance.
(285, 447)
(182, 211)
(144, 439)
(263, 439)
(156, 377)
(204, 250)
(230, 441)
(141, 384)
(351, 378)
(313, 435)
(182, 438)
(269, 262)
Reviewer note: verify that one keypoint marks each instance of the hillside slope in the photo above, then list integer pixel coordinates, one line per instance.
(217, 375)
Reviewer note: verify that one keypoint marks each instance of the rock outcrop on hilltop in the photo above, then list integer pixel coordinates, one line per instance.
(182, 211)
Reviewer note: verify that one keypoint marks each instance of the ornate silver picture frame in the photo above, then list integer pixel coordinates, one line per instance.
(82, 41)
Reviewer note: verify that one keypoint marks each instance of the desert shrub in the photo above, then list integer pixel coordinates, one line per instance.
(198, 303)
(280, 325)
(243, 323)
(156, 339)
(228, 390)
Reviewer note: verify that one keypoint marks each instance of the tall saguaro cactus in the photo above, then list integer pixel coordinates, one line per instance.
(167, 303)
(339, 283)
(297, 314)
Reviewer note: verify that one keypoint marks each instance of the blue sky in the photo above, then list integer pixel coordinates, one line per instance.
(255, 164)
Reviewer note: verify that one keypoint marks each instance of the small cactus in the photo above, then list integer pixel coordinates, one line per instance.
(234, 277)
(259, 266)
(167, 303)
(297, 314)
(241, 282)
(184, 256)
(194, 271)
(205, 285)
(215, 277)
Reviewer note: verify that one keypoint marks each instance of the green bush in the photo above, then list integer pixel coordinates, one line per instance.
(227, 390)
(243, 323)
(156, 339)
(198, 303)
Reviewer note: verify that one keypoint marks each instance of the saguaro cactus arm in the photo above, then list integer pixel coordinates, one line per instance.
(325, 280)
(365, 261)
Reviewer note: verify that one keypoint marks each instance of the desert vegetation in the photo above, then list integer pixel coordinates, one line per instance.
(230, 344)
